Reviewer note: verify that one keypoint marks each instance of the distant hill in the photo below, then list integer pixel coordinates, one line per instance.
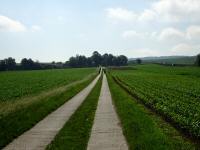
(188, 60)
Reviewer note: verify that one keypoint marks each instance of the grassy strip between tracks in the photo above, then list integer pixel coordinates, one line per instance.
(142, 129)
(76, 132)
(16, 122)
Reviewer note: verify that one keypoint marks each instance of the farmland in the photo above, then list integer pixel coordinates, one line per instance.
(39, 93)
(155, 104)
(17, 84)
(173, 92)
(143, 127)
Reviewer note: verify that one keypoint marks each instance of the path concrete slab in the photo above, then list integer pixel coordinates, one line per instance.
(38, 137)
(106, 131)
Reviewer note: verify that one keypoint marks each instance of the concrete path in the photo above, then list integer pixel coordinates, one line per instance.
(38, 137)
(106, 131)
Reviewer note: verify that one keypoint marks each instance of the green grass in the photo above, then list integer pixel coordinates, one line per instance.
(140, 128)
(76, 132)
(17, 84)
(173, 92)
(18, 121)
(190, 71)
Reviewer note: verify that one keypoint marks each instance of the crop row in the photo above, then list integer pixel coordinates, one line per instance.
(175, 96)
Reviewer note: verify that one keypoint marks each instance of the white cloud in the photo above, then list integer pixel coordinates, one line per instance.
(132, 34)
(121, 14)
(167, 34)
(35, 28)
(185, 49)
(182, 47)
(171, 34)
(160, 10)
(8, 24)
(193, 32)
(147, 15)
(154, 34)
(177, 10)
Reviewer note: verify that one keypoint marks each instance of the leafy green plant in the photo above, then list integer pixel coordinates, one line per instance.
(173, 92)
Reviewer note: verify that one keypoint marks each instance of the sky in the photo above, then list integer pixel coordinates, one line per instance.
(54, 30)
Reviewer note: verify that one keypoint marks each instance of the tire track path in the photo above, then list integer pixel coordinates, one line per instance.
(106, 131)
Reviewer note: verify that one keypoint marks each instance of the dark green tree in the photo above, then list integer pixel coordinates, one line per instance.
(29, 64)
(138, 61)
(72, 62)
(81, 61)
(110, 60)
(105, 59)
(10, 63)
(2, 65)
(115, 61)
(90, 63)
(197, 62)
(122, 60)
(96, 57)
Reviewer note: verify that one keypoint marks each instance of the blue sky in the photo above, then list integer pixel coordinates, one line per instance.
(50, 30)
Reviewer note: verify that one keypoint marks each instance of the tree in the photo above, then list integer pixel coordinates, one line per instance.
(96, 57)
(115, 61)
(78, 61)
(29, 64)
(90, 63)
(139, 61)
(10, 63)
(122, 60)
(198, 60)
(25, 63)
(81, 61)
(110, 60)
(72, 62)
(105, 59)
(2, 65)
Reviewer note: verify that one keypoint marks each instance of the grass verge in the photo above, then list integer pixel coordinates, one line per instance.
(140, 128)
(76, 132)
(16, 122)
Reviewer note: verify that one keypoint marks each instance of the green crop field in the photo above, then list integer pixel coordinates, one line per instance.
(173, 92)
(16, 84)
(142, 128)
(36, 94)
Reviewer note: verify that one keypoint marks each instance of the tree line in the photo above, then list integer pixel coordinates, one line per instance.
(78, 61)
(97, 59)
(25, 64)
(29, 64)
